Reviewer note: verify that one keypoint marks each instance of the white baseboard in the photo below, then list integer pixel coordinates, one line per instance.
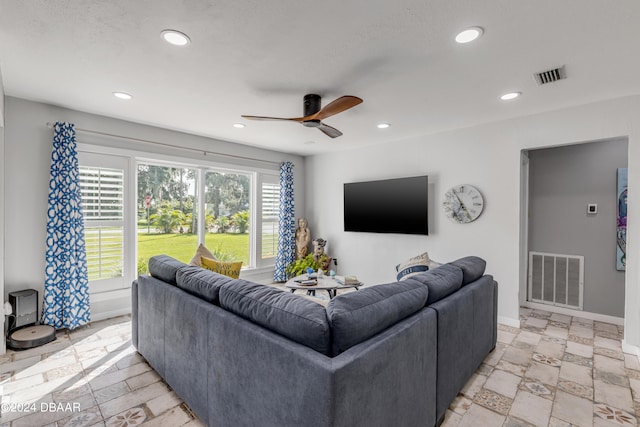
(515, 323)
(110, 295)
(630, 349)
(576, 313)
(96, 317)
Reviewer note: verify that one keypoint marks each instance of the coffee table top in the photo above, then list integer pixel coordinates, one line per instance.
(324, 283)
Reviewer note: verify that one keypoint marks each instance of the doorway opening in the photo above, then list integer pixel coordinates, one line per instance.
(573, 228)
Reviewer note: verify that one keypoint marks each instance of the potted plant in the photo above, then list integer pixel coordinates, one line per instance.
(298, 267)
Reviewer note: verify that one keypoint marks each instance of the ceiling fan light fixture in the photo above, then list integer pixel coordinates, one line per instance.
(383, 125)
(239, 125)
(175, 38)
(123, 95)
(469, 35)
(510, 95)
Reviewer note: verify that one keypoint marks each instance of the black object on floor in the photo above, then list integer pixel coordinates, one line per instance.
(31, 336)
(24, 333)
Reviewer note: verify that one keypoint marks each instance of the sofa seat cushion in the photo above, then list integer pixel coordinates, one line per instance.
(202, 283)
(441, 281)
(359, 315)
(165, 268)
(292, 316)
(472, 268)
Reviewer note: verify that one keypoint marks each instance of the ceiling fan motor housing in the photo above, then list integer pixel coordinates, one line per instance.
(311, 104)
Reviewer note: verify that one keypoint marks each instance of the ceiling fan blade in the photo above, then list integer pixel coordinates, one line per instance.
(295, 119)
(337, 106)
(329, 131)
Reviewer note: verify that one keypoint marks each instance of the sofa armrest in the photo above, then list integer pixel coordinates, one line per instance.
(455, 346)
(389, 379)
(257, 377)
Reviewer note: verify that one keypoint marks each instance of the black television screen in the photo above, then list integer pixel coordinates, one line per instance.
(388, 206)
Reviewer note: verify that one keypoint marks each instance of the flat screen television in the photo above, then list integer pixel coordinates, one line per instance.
(388, 206)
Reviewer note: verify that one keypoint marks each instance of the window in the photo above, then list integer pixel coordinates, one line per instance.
(103, 206)
(174, 207)
(270, 215)
(103, 188)
(167, 208)
(238, 211)
(227, 216)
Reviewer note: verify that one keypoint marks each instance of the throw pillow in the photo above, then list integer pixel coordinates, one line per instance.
(230, 269)
(416, 265)
(202, 251)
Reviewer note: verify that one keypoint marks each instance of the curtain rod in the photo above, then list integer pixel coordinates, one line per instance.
(164, 144)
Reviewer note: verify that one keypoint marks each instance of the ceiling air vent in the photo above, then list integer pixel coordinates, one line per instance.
(550, 76)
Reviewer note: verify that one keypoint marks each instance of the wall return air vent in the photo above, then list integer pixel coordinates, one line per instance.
(556, 279)
(550, 76)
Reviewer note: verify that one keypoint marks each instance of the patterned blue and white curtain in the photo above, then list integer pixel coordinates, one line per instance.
(286, 228)
(66, 287)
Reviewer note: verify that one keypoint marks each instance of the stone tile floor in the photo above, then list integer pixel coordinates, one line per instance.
(88, 377)
(555, 371)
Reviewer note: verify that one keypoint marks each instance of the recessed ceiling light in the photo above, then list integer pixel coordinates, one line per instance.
(383, 125)
(122, 95)
(469, 35)
(175, 37)
(510, 95)
(238, 125)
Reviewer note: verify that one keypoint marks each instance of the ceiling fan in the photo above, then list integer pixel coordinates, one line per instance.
(313, 114)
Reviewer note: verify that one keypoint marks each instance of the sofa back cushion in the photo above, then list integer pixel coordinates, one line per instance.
(202, 283)
(165, 268)
(441, 281)
(359, 315)
(472, 268)
(292, 316)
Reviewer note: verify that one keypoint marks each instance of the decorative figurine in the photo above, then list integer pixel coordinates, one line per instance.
(318, 254)
(303, 235)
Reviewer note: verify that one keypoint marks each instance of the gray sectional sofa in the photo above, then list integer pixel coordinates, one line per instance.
(244, 354)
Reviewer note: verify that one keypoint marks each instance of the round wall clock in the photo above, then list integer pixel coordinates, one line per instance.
(463, 203)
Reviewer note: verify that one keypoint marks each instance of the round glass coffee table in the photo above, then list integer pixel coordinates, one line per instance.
(321, 284)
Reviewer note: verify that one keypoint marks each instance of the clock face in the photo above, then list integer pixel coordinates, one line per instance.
(463, 203)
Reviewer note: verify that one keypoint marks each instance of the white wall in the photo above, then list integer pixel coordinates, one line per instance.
(27, 160)
(2, 294)
(1, 100)
(488, 157)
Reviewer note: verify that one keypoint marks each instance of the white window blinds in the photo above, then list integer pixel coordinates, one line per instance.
(270, 210)
(102, 192)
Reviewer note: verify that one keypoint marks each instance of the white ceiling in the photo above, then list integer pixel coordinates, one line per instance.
(261, 57)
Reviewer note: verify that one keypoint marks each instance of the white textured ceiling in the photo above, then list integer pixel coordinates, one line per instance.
(261, 57)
